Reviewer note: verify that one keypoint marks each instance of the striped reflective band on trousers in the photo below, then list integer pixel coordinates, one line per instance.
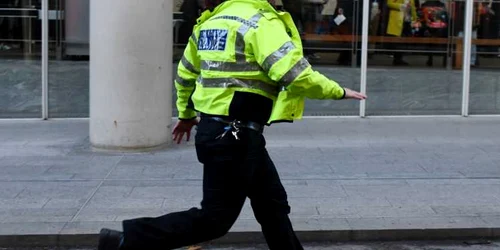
(239, 83)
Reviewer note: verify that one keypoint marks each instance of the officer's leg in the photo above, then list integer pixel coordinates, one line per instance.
(269, 203)
(223, 197)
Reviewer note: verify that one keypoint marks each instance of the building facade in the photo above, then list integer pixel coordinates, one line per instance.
(429, 58)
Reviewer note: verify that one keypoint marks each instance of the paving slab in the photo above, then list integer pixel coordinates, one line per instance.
(346, 179)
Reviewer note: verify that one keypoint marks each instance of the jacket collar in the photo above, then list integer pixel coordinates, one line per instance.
(263, 5)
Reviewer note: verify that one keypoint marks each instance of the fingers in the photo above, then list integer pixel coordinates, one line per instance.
(183, 127)
(179, 139)
(178, 136)
(351, 94)
(175, 133)
(359, 96)
(178, 132)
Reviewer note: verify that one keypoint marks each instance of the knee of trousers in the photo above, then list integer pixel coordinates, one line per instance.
(275, 208)
(218, 225)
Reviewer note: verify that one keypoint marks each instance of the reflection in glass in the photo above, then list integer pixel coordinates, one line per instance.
(20, 62)
(330, 29)
(415, 58)
(486, 33)
(330, 33)
(415, 54)
(69, 58)
(485, 59)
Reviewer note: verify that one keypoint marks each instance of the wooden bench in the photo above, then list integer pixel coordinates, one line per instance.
(405, 40)
(480, 42)
(376, 39)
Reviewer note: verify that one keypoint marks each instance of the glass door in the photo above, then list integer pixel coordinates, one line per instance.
(20, 59)
(485, 59)
(69, 22)
(414, 63)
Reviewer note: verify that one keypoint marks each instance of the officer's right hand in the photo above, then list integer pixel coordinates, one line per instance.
(183, 127)
(351, 94)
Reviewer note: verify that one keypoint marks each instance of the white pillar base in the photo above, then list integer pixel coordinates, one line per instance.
(131, 47)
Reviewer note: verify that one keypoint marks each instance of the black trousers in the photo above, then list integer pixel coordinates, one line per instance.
(233, 170)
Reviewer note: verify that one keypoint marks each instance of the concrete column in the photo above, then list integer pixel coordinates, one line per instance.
(130, 73)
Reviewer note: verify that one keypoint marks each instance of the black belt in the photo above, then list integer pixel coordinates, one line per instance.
(238, 124)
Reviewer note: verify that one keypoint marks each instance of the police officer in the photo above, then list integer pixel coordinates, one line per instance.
(243, 69)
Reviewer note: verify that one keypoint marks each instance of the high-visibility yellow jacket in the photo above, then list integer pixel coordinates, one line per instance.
(246, 45)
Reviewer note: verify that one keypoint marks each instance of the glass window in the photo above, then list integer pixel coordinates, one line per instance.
(414, 57)
(331, 35)
(414, 66)
(20, 59)
(69, 58)
(69, 41)
(485, 59)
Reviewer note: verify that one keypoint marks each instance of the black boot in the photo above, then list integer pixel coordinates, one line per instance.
(109, 239)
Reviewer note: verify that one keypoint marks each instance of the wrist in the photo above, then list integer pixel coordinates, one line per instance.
(187, 115)
(187, 119)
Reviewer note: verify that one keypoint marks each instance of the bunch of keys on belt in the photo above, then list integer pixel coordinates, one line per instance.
(234, 128)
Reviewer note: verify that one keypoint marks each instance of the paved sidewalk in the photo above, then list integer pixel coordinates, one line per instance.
(341, 174)
(399, 245)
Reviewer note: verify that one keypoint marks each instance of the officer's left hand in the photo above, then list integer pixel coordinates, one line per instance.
(351, 94)
(183, 127)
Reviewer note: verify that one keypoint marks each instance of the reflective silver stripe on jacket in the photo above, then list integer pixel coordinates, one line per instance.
(189, 66)
(248, 23)
(184, 82)
(294, 72)
(242, 31)
(230, 66)
(193, 36)
(239, 83)
(241, 63)
(277, 55)
(240, 40)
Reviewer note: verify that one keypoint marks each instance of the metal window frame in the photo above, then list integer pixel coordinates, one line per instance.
(469, 15)
(45, 59)
(364, 55)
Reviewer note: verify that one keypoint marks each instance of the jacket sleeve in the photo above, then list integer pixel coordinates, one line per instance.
(185, 81)
(285, 64)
